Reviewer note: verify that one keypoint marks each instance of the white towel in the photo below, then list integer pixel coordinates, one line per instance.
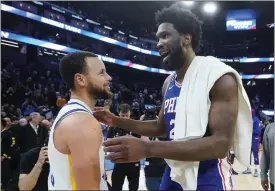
(192, 116)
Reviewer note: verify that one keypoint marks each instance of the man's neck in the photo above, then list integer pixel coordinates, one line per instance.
(187, 62)
(33, 124)
(84, 98)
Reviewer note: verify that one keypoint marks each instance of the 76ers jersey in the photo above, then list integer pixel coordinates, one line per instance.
(213, 174)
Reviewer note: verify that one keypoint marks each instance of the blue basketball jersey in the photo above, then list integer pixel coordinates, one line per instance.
(212, 174)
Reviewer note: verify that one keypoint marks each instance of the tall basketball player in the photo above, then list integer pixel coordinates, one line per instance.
(179, 33)
(75, 150)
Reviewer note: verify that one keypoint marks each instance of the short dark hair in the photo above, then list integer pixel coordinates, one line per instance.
(124, 108)
(73, 63)
(184, 21)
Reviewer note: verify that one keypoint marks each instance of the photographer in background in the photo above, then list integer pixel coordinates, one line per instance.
(34, 165)
(34, 169)
(154, 167)
(120, 171)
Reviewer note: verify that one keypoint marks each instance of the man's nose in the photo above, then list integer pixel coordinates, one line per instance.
(159, 44)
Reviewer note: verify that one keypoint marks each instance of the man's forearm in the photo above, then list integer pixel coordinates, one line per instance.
(200, 149)
(29, 181)
(146, 128)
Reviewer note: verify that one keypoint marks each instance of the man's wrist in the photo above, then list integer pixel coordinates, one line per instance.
(115, 120)
(148, 149)
(264, 176)
(39, 165)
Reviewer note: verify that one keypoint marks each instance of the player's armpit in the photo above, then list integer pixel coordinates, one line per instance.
(84, 141)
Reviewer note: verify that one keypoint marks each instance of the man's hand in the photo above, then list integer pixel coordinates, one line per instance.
(125, 149)
(104, 116)
(43, 155)
(265, 184)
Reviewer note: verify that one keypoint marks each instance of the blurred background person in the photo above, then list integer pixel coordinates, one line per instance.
(255, 144)
(268, 158)
(32, 135)
(123, 170)
(154, 167)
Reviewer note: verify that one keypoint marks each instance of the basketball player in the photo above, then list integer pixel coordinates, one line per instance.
(75, 150)
(255, 144)
(179, 33)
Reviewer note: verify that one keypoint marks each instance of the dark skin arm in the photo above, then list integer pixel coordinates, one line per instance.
(222, 119)
(151, 128)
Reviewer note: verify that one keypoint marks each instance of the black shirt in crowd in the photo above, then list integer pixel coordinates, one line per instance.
(117, 132)
(29, 139)
(28, 161)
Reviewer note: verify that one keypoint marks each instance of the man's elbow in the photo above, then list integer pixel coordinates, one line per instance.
(222, 147)
(87, 176)
(23, 185)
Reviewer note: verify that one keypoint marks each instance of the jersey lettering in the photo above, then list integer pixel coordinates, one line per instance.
(172, 123)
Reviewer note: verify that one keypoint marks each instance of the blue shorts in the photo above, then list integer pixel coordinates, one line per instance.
(212, 175)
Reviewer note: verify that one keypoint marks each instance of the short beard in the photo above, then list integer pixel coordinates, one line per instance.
(175, 59)
(96, 93)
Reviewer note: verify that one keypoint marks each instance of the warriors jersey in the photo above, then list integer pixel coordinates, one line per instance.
(61, 176)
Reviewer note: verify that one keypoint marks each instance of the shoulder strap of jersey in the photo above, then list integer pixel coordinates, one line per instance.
(83, 109)
(172, 76)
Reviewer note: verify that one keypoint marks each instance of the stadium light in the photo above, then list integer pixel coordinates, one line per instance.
(210, 7)
(188, 3)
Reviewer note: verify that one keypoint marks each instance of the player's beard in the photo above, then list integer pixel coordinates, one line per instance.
(175, 58)
(96, 93)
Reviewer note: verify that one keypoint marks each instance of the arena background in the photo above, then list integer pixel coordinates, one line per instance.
(36, 35)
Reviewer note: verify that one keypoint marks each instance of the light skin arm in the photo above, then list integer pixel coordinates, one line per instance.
(28, 181)
(84, 139)
(222, 120)
(150, 128)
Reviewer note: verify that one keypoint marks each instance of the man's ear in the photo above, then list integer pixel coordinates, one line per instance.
(186, 39)
(79, 79)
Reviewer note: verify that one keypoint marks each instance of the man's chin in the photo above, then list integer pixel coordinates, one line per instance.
(107, 95)
(167, 66)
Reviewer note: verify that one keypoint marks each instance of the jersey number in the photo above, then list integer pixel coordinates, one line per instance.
(172, 123)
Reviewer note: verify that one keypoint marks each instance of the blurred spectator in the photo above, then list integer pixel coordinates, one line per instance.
(28, 106)
(9, 155)
(61, 101)
(8, 122)
(120, 171)
(23, 122)
(32, 135)
(46, 124)
(255, 144)
(34, 170)
(267, 161)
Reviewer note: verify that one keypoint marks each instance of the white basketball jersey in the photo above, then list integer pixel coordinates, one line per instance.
(61, 176)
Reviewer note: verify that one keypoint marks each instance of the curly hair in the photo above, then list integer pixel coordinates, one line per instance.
(184, 21)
